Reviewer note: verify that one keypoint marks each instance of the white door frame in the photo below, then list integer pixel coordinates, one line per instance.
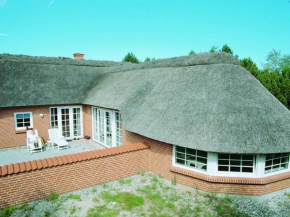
(59, 119)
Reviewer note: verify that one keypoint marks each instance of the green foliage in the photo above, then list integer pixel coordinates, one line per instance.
(142, 173)
(227, 49)
(248, 64)
(124, 199)
(174, 182)
(8, 211)
(73, 197)
(192, 52)
(73, 210)
(213, 49)
(53, 197)
(148, 59)
(102, 211)
(130, 57)
(125, 181)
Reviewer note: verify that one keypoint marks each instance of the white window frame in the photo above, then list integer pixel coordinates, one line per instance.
(70, 118)
(185, 167)
(238, 174)
(276, 172)
(113, 126)
(212, 166)
(22, 113)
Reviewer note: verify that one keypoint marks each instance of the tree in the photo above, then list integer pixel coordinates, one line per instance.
(275, 62)
(148, 59)
(248, 64)
(191, 52)
(130, 57)
(213, 49)
(227, 49)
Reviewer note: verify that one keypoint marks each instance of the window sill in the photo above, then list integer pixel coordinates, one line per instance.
(20, 131)
(231, 180)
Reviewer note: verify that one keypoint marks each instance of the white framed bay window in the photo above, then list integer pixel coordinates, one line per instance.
(23, 120)
(107, 127)
(231, 165)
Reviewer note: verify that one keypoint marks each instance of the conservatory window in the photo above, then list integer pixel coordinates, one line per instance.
(276, 162)
(22, 120)
(191, 158)
(240, 163)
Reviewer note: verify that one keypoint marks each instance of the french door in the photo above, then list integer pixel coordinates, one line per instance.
(68, 120)
(107, 127)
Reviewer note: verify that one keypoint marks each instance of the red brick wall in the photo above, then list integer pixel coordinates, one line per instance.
(161, 163)
(33, 185)
(87, 120)
(9, 137)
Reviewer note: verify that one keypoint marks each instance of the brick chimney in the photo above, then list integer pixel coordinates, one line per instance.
(78, 56)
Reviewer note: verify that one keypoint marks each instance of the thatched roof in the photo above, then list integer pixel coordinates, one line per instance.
(206, 101)
(26, 80)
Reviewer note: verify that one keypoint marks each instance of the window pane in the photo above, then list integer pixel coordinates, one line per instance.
(26, 115)
(180, 149)
(202, 160)
(224, 156)
(235, 156)
(236, 163)
(202, 153)
(19, 116)
(247, 169)
(235, 169)
(247, 163)
(223, 162)
(247, 157)
(191, 151)
(179, 161)
(223, 168)
(179, 155)
(190, 157)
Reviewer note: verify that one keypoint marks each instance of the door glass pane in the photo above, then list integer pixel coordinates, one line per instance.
(101, 126)
(65, 122)
(108, 129)
(76, 121)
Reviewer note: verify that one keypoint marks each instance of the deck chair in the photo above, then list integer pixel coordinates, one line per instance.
(30, 146)
(56, 139)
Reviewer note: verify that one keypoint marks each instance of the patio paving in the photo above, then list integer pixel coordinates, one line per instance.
(21, 154)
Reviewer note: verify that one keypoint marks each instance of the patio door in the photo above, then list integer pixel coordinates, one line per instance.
(104, 127)
(68, 120)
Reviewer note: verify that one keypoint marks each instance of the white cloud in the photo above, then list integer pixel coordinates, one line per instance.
(3, 3)
(4, 35)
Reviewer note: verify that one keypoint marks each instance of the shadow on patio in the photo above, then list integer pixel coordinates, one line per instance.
(21, 154)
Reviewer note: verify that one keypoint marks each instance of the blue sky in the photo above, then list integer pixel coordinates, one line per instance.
(107, 30)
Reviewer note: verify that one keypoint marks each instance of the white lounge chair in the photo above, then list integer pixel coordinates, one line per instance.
(57, 139)
(30, 145)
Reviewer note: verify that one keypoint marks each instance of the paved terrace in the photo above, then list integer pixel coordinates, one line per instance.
(21, 154)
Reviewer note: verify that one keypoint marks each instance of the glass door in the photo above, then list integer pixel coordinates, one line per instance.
(65, 122)
(68, 120)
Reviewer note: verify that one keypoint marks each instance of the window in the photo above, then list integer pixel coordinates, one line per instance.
(191, 158)
(276, 162)
(107, 127)
(240, 163)
(23, 120)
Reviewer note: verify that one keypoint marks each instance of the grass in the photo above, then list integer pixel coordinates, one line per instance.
(73, 197)
(53, 197)
(125, 200)
(125, 181)
(156, 196)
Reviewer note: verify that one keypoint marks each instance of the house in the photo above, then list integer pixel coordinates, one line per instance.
(209, 123)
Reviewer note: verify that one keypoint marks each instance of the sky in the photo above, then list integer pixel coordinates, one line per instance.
(108, 30)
